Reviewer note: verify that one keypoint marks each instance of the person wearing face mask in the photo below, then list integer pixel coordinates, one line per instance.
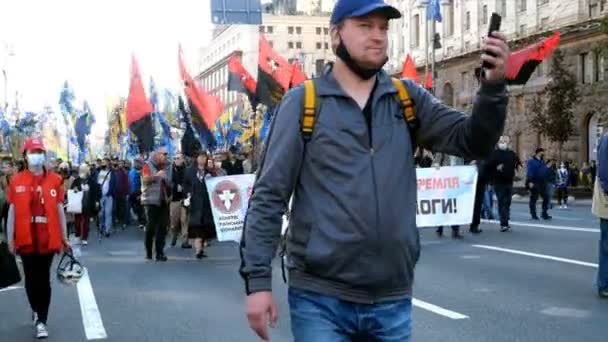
(536, 182)
(107, 183)
(503, 164)
(352, 242)
(90, 201)
(37, 228)
(563, 179)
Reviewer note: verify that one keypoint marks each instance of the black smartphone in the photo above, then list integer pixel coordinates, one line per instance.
(495, 21)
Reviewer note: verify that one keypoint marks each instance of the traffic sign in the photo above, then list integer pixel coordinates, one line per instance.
(227, 12)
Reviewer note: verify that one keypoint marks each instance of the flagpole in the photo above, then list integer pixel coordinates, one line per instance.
(433, 57)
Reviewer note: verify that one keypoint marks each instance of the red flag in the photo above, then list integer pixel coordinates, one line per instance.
(274, 75)
(208, 106)
(429, 81)
(521, 64)
(297, 76)
(237, 72)
(138, 110)
(409, 70)
(137, 104)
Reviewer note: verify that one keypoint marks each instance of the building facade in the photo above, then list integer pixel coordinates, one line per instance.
(302, 39)
(465, 24)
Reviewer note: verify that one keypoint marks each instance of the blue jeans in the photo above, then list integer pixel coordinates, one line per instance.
(105, 218)
(320, 318)
(602, 271)
(487, 208)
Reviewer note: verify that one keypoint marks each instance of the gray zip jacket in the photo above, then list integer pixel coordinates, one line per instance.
(352, 231)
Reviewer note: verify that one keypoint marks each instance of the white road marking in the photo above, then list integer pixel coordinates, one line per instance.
(6, 289)
(438, 310)
(91, 318)
(564, 218)
(545, 226)
(535, 255)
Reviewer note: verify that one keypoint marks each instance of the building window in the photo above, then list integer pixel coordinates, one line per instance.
(522, 30)
(290, 29)
(318, 30)
(523, 4)
(416, 31)
(319, 46)
(464, 80)
(501, 6)
(298, 45)
(326, 46)
(326, 30)
(467, 21)
(450, 20)
(484, 14)
(319, 64)
(544, 23)
(298, 30)
(582, 67)
(270, 29)
(596, 67)
(290, 45)
(602, 5)
(594, 10)
(262, 29)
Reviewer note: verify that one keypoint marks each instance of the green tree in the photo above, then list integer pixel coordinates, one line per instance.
(555, 120)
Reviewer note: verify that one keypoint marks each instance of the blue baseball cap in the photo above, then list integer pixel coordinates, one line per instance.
(345, 9)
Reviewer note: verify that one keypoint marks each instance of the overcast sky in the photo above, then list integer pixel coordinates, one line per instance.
(89, 42)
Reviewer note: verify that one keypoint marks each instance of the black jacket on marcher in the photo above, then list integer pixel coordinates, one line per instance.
(510, 162)
(178, 178)
(200, 205)
(90, 197)
(233, 169)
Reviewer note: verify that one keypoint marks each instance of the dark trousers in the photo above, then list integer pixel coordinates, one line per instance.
(504, 193)
(156, 228)
(37, 271)
(121, 213)
(81, 222)
(562, 195)
(479, 193)
(536, 191)
(138, 209)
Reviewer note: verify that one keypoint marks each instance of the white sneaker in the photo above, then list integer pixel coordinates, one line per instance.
(41, 331)
(85, 242)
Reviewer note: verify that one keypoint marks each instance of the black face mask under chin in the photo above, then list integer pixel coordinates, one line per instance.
(363, 72)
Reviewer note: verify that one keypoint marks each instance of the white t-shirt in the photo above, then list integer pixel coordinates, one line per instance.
(105, 187)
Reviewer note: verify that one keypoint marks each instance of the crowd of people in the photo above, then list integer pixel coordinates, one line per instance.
(157, 194)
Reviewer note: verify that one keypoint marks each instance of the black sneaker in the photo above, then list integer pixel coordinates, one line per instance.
(439, 232)
(535, 218)
(547, 217)
(148, 256)
(186, 245)
(201, 255)
(475, 230)
(161, 258)
(504, 229)
(174, 242)
(603, 293)
(457, 235)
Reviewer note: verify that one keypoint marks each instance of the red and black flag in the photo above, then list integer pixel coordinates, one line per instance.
(239, 79)
(207, 107)
(139, 111)
(522, 63)
(297, 75)
(191, 146)
(274, 75)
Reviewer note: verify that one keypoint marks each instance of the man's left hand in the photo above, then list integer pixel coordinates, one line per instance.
(496, 44)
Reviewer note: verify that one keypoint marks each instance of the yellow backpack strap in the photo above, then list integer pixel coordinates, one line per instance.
(409, 110)
(309, 114)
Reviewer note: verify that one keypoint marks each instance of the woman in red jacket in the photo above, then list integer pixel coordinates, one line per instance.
(36, 227)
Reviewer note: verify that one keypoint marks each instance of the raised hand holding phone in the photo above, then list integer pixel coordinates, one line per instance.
(495, 51)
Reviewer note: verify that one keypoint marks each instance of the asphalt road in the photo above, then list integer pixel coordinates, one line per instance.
(535, 283)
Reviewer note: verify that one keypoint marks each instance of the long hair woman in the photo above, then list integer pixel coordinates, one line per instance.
(36, 228)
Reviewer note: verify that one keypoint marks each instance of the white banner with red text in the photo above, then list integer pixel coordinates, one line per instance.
(446, 195)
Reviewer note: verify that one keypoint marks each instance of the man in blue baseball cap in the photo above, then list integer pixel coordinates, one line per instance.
(352, 242)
